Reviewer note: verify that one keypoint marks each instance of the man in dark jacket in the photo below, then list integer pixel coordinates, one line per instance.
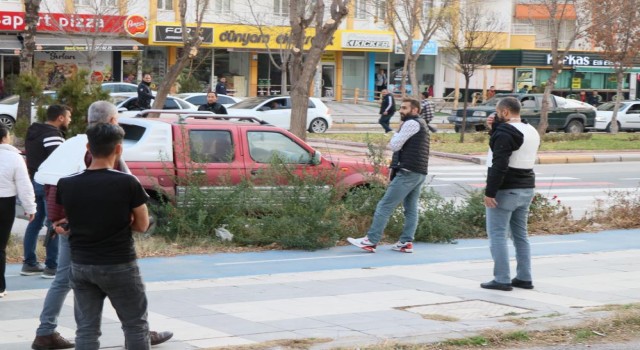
(42, 139)
(409, 168)
(144, 92)
(212, 104)
(387, 109)
(221, 86)
(511, 182)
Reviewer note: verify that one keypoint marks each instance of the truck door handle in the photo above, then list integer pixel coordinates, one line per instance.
(198, 172)
(254, 172)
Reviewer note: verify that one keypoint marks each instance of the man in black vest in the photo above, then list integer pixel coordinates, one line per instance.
(409, 171)
(212, 104)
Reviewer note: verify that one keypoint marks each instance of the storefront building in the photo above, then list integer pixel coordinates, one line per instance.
(65, 44)
(250, 58)
(582, 71)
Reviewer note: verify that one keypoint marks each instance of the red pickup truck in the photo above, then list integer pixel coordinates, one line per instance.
(162, 152)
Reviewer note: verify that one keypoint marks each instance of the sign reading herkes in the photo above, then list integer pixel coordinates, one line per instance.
(173, 34)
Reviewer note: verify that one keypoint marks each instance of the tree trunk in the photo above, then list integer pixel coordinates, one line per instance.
(405, 73)
(413, 76)
(283, 78)
(31, 14)
(544, 112)
(464, 107)
(616, 107)
(169, 79)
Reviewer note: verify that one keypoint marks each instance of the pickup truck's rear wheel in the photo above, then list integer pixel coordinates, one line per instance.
(318, 126)
(7, 121)
(608, 129)
(574, 127)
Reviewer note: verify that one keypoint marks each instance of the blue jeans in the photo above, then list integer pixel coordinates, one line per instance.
(57, 292)
(33, 229)
(405, 188)
(510, 215)
(123, 285)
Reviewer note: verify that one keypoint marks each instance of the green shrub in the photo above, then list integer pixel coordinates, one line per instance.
(188, 83)
(78, 94)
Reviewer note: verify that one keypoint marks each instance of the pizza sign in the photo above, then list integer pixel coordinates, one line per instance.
(135, 25)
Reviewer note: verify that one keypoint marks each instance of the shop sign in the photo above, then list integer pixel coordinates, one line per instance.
(64, 22)
(431, 48)
(581, 60)
(173, 34)
(576, 83)
(135, 25)
(55, 67)
(250, 37)
(352, 40)
(328, 57)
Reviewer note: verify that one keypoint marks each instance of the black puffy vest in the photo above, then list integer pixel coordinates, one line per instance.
(414, 155)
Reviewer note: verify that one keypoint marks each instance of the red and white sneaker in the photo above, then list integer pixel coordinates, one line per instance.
(406, 247)
(363, 243)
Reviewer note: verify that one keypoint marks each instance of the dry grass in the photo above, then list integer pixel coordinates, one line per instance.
(622, 326)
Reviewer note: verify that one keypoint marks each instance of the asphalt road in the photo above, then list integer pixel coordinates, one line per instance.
(578, 186)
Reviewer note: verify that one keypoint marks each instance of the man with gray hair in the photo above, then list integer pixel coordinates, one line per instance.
(64, 161)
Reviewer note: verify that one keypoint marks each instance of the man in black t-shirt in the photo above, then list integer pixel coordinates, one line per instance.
(103, 207)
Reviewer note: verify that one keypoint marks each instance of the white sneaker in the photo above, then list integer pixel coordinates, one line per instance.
(3, 294)
(363, 243)
(406, 247)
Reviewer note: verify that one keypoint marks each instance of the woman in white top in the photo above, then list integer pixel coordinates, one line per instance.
(14, 180)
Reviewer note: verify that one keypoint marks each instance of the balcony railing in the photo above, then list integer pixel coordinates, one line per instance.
(523, 29)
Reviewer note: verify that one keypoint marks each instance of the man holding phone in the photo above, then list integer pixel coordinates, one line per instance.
(510, 188)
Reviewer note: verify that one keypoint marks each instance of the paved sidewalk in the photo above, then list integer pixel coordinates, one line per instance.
(352, 306)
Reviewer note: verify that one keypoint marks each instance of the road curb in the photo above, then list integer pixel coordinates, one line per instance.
(541, 159)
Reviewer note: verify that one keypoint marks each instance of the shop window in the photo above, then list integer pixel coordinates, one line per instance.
(165, 5)
(222, 6)
(281, 7)
(360, 7)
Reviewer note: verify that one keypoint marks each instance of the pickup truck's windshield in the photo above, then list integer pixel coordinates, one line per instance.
(609, 106)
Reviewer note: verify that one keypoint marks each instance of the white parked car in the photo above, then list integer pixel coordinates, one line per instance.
(129, 107)
(200, 98)
(276, 110)
(628, 116)
(9, 109)
(119, 87)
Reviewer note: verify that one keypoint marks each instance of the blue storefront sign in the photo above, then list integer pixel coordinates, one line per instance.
(431, 48)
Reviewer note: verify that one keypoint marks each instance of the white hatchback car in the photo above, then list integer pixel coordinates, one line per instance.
(9, 109)
(276, 110)
(200, 98)
(129, 107)
(119, 87)
(628, 116)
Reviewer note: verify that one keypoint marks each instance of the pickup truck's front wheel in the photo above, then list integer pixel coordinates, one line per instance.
(574, 127)
(318, 126)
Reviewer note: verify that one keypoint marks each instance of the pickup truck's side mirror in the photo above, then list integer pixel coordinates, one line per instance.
(122, 109)
(316, 159)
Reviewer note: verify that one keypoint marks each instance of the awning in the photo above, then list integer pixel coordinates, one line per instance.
(11, 45)
(609, 70)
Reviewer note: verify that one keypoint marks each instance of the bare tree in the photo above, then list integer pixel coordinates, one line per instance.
(471, 42)
(413, 20)
(560, 13)
(31, 16)
(302, 67)
(619, 40)
(191, 39)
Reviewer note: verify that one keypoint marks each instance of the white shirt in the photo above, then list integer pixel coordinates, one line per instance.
(14, 178)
